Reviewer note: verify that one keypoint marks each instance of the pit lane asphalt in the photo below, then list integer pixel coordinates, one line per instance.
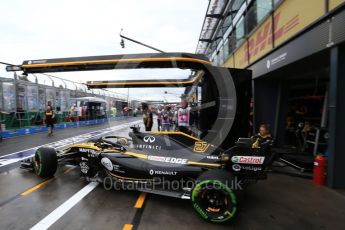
(15, 144)
(281, 202)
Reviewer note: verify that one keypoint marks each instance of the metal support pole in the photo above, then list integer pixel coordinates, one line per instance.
(15, 90)
(323, 123)
(135, 41)
(128, 102)
(325, 110)
(336, 108)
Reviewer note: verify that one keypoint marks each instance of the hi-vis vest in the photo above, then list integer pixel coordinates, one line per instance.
(183, 116)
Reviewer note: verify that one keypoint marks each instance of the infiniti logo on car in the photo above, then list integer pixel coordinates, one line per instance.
(149, 139)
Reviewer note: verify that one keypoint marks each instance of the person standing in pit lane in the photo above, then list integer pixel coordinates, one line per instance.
(174, 119)
(183, 117)
(147, 117)
(159, 117)
(49, 119)
(166, 119)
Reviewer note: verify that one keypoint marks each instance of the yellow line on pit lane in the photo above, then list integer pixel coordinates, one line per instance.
(31, 190)
(138, 205)
(127, 227)
(140, 200)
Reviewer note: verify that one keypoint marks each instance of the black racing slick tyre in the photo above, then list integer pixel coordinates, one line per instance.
(45, 162)
(213, 197)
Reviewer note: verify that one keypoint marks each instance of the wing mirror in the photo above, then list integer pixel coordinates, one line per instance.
(224, 157)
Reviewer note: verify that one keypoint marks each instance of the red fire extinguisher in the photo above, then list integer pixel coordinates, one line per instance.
(320, 170)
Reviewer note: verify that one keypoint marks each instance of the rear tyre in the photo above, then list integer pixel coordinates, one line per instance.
(213, 198)
(45, 162)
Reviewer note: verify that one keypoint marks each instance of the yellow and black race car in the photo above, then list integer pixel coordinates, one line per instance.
(166, 163)
(209, 171)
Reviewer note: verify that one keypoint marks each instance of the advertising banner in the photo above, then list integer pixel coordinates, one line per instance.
(288, 19)
(334, 3)
(294, 15)
(241, 56)
(260, 42)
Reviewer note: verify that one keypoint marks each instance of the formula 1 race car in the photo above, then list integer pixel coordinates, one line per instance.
(207, 175)
(209, 171)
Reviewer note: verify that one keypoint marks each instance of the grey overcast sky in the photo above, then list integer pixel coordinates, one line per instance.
(40, 29)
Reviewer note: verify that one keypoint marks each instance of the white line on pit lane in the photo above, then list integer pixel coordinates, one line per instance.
(65, 142)
(48, 144)
(55, 215)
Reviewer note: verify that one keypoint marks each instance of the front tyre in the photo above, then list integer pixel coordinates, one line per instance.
(45, 162)
(212, 197)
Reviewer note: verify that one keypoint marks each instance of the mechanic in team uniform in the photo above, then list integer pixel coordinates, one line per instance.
(159, 117)
(183, 117)
(263, 136)
(49, 119)
(174, 119)
(166, 118)
(147, 117)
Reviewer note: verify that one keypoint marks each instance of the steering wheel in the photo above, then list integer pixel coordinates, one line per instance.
(112, 143)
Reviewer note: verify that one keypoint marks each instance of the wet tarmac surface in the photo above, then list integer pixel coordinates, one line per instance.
(280, 202)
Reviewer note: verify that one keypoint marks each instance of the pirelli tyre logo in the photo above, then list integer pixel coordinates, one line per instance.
(248, 160)
(201, 146)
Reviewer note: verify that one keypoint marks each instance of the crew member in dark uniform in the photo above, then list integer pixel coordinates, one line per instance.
(50, 119)
(147, 117)
(263, 136)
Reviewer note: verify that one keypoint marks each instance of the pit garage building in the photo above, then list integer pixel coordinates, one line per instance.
(296, 52)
